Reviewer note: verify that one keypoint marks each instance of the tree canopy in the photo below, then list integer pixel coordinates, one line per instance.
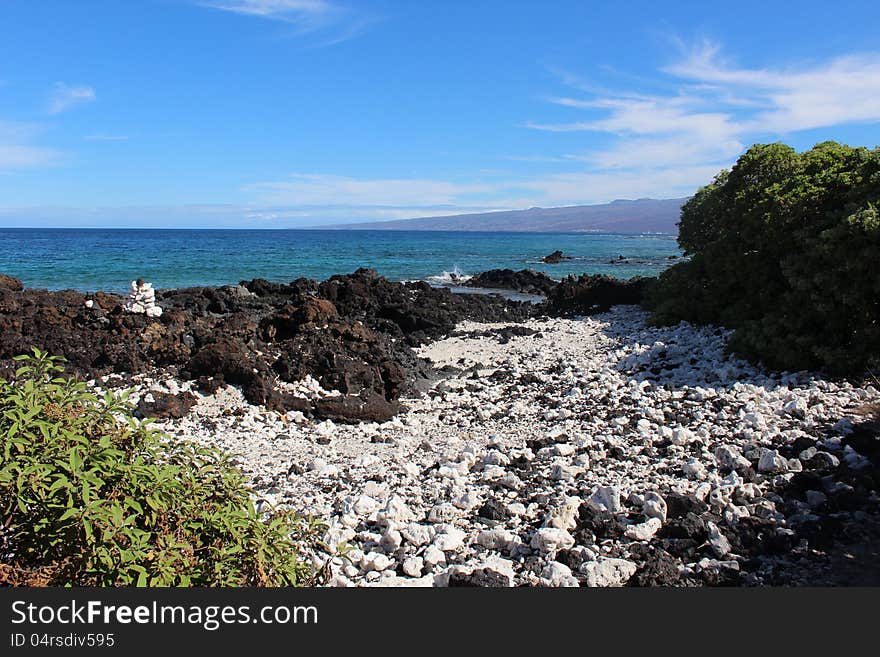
(785, 249)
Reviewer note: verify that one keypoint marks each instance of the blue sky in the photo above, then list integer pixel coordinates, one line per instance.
(269, 113)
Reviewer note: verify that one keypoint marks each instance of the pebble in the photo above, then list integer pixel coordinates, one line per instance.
(551, 539)
(605, 498)
(607, 572)
(495, 471)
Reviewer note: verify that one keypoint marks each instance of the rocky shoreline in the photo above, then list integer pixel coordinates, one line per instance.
(470, 440)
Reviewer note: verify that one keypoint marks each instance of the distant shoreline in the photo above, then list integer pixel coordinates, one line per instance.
(335, 228)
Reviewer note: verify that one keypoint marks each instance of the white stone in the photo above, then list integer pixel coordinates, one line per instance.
(564, 472)
(364, 505)
(681, 436)
(142, 300)
(718, 541)
(391, 540)
(772, 462)
(450, 540)
(558, 575)
(403, 582)
(417, 535)
(605, 498)
(495, 539)
(467, 500)
(412, 566)
(607, 572)
(395, 511)
(565, 515)
(701, 492)
(551, 539)
(433, 557)
(494, 457)
(564, 449)
(317, 465)
(493, 472)
(729, 456)
(694, 469)
(644, 531)
(374, 561)
(443, 512)
(654, 506)
(796, 408)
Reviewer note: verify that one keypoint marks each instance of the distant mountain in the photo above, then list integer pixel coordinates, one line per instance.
(644, 215)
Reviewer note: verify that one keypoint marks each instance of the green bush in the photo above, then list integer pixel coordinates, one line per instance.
(785, 249)
(89, 497)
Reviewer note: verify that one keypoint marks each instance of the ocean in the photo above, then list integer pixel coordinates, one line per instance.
(89, 260)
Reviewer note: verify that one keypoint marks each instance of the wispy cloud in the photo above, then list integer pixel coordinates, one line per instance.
(319, 189)
(101, 136)
(715, 108)
(282, 10)
(16, 156)
(415, 197)
(661, 144)
(335, 22)
(843, 90)
(710, 111)
(65, 97)
(17, 150)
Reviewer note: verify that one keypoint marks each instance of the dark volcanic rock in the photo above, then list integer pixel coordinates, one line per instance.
(10, 283)
(679, 505)
(555, 258)
(659, 568)
(166, 405)
(309, 312)
(493, 509)
(690, 526)
(590, 293)
(230, 361)
(865, 439)
(346, 357)
(352, 333)
(482, 577)
(354, 408)
(593, 525)
(416, 311)
(526, 281)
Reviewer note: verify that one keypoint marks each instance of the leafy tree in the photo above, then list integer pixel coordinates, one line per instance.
(784, 249)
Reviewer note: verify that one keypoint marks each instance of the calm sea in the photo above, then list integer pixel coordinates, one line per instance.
(101, 259)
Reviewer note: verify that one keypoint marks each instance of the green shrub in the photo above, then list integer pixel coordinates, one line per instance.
(785, 249)
(89, 497)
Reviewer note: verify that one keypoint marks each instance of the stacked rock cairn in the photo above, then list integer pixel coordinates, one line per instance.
(142, 300)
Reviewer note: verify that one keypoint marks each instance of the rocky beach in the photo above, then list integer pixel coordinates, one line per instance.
(473, 440)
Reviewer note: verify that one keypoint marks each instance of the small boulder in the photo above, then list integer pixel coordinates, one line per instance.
(10, 283)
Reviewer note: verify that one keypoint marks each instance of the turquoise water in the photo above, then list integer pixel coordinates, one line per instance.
(100, 259)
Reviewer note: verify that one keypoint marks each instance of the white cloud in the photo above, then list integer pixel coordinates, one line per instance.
(313, 189)
(719, 107)
(328, 22)
(101, 136)
(283, 10)
(843, 90)
(17, 151)
(65, 96)
(16, 156)
(654, 144)
(310, 195)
